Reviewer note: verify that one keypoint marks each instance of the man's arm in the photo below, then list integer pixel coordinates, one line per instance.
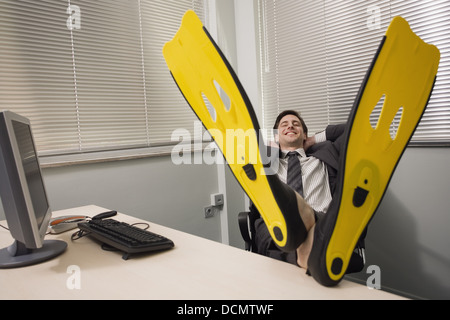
(334, 131)
(331, 133)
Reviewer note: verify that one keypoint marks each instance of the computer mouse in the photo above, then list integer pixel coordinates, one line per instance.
(65, 223)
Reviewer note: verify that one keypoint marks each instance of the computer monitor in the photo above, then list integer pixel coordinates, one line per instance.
(23, 195)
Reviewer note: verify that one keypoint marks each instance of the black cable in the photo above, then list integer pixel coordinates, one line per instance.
(147, 226)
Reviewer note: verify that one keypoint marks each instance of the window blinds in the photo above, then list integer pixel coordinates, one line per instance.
(90, 75)
(314, 55)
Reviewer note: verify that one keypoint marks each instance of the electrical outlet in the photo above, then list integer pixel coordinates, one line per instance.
(217, 199)
(216, 205)
(209, 211)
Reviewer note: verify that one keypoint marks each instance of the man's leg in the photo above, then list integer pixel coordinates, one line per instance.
(304, 250)
(266, 246)
(306, 212)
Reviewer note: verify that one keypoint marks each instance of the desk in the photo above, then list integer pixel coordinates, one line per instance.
(195, 269)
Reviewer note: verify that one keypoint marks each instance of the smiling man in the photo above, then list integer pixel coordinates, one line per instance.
(291, 133)
(318, 156)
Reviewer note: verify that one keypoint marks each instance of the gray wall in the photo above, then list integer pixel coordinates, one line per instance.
(409, 236)
(151, 188)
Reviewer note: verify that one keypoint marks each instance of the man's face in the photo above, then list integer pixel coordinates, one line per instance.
(290, 133)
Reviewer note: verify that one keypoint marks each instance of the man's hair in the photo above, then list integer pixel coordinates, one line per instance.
(292, 112)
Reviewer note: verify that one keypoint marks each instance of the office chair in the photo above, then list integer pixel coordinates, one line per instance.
(247, 219)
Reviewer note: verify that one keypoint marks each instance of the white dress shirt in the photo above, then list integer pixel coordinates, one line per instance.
(316, 187)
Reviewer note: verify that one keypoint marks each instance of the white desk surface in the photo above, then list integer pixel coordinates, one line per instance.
(195, 269)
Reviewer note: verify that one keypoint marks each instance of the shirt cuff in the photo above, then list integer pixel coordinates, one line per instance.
(321, 136)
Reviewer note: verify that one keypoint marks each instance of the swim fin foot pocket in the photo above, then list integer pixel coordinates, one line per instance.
(201, 71)
(403, 71)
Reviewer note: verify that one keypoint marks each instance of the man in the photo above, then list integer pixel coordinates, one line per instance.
(319, 159)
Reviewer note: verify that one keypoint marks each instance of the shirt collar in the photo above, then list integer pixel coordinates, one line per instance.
(301, 151)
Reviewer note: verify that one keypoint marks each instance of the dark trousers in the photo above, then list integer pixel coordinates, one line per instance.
(267, 247)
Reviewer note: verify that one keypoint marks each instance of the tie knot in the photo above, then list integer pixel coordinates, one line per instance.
(291, 154)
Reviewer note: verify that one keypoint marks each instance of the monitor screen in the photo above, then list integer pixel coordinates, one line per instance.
(23, 195)
(32, 171)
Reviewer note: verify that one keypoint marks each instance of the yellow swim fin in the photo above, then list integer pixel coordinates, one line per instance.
(199, 68)
(403, 72)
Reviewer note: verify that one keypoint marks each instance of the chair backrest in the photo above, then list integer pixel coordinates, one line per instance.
(246, 222)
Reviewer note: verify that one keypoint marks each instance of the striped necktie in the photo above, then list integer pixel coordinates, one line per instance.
(294, 172)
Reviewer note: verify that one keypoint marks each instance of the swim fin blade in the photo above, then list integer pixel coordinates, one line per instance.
(402, 73)
(201, 71)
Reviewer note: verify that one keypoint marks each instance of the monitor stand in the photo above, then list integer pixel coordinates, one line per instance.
(17, 255)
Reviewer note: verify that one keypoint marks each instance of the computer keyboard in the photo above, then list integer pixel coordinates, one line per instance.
(125, 237)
